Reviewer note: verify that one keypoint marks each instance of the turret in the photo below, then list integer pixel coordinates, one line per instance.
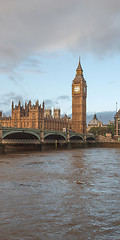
(12, 105)
(19, 104)
(37, 103)
(29, 104)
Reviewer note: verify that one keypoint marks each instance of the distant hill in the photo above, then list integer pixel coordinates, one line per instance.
(102, 116)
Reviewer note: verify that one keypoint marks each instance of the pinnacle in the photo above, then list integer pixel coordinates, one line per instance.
(79, 65)
(79, 70)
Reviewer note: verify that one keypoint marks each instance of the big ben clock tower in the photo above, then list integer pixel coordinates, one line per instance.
(79, 93)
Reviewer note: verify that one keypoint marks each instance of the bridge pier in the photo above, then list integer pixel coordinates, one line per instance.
(2, 147)
(68, 136)
(85, 138)
(0, 134)
(42, 136)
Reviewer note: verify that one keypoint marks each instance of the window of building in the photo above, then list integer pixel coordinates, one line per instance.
(33, 124)
(15, 124)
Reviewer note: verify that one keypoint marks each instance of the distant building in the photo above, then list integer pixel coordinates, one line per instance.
(117, 125)
(111, 123)
(94, 123)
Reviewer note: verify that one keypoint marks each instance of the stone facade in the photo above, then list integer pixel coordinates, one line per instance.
(47, 113)
(56, 113)
(79, 94)
(36, 117)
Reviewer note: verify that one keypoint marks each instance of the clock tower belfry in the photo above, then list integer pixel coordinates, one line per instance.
(79, 94)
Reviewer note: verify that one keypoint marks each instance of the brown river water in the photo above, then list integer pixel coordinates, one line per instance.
(60, 195)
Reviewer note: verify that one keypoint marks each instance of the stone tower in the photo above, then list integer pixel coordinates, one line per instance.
(79, 93)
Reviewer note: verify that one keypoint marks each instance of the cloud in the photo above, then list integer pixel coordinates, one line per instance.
(9, 97)
(16, 72)
(64, 97)
(32, 65)
(31, 27)
(12, 78)
(11, 71)
(4, 103)
(15, 77)
(48, 103)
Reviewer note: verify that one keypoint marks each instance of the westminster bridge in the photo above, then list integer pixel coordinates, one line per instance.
(22, 136)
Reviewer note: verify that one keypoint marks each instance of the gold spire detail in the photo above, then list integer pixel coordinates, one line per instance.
(79, 70)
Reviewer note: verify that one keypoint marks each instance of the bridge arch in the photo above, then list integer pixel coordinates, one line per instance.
(21, 135)
(76, 138)
(90, 138)
(54, 136)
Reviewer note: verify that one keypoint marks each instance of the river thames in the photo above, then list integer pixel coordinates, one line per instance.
(60, 195)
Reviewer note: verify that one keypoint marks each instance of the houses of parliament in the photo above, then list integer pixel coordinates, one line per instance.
(37, 117)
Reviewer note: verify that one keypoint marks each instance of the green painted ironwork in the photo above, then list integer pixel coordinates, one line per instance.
(46, 133)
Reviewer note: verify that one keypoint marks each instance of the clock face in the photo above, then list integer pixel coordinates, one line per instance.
(76, 88)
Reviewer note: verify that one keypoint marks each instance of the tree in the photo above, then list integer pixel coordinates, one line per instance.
(102, 130)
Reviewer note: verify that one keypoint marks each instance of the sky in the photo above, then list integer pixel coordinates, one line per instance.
(40, 45)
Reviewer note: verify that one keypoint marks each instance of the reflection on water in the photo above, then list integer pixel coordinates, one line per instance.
(60, 195)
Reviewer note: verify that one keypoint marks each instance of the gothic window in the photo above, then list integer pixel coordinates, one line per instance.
(33, 124)
(15, 124)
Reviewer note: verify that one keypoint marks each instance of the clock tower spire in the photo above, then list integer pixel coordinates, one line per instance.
(79, 93)
(79, 70)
